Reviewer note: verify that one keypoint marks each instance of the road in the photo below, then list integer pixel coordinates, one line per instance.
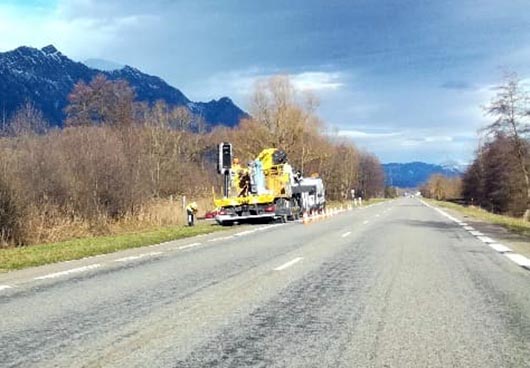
(393, 285)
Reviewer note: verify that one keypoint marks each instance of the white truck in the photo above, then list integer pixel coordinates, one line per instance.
(311, 194)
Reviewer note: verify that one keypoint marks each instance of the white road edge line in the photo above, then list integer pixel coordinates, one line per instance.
(486, 239)
(140, 256)
(5, 287)
(68, 272)
(519, 259)
(500, 248)
(288, 264)
(514, 257)
(188, 246)
(346, 234)
(221, 238)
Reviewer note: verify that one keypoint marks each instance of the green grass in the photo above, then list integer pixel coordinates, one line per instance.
(36, 255)
(511, 223)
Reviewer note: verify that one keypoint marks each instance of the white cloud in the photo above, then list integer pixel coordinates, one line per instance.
(317, 81)
(239, 84)
(438, 139)
(79, 37)
(358, 134)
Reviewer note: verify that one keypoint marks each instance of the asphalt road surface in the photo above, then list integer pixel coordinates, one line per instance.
(393, 285)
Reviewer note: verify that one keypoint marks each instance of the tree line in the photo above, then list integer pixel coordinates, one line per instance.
(119, 160)
(498, 178)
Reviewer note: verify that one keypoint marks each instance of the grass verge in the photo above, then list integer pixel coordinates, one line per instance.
(511, 223)
(37, 255)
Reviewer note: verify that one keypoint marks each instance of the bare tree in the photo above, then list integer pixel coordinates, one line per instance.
(511, 112)
(101, 102)
(28, 119)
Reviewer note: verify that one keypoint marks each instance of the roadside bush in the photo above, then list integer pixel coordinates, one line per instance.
(11, 215)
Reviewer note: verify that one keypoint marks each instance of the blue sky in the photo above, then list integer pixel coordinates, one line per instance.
(404, 79)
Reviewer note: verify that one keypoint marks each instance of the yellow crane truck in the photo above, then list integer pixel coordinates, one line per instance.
(261, 190)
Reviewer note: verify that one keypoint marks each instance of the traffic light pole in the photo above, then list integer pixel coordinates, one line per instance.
(225, 164)
(227, 183)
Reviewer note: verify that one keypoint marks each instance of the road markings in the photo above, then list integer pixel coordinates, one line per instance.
(365, 222)
(500, 248)
(68, 272)
(140, 256)
(377, 215)
(242, 233)
(288, 264)
(5, 287)
(221, 238)
(485, 239)
(519, 259)
(346, 234)
(188, 246)
(514, 257)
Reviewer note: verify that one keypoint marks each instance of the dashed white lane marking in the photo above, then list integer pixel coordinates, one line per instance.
(140, 256)
(469, 228)
(377, 215)
(499, 247)
(288, 264)
(486, 239)
(5, 287)
(519, 259)
(68, 272)
(476, 233)
(365, 222)
(346, 234)
(188, 246)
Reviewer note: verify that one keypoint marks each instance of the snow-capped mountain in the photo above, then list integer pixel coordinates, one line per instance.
(414, 174)
(46, 77)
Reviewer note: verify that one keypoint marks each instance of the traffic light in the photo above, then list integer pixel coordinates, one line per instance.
(225, 157)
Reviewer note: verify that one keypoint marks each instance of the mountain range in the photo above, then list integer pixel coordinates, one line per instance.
(45, 77)
(414, 174)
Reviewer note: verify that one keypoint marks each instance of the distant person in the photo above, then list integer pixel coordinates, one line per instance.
(191, 210)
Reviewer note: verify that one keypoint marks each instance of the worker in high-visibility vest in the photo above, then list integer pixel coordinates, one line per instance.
(191, 210)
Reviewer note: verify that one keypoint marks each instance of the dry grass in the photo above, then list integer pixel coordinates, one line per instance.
(50, 225)
(56, 237)
(23, 257)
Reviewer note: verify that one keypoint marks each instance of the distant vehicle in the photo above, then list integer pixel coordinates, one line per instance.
(311, 194)
(266, 189)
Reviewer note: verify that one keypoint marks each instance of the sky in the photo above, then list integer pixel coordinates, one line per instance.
(403, 79)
